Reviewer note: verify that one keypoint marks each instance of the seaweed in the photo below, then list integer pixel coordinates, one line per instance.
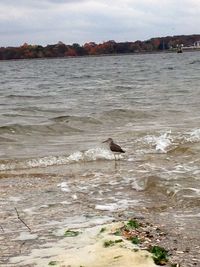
(135, 240)
(111, 243)
(70, 233)
(52, 263)
(103, 230)
(132, 224)
(117, 257)
(118, 233)
(159, 254)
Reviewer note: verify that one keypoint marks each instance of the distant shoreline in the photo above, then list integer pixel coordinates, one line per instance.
(106, 55)
(167, 44)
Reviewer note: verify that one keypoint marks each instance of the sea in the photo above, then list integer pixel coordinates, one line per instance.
(55, 170)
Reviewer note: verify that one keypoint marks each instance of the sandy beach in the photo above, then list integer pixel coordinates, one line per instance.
(86, 247)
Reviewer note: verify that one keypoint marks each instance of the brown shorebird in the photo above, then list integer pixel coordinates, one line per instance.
(116, 149)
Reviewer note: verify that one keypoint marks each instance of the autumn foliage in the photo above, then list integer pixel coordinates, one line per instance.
(60, 49)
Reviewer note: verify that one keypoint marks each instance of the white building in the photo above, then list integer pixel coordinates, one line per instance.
(197, 44)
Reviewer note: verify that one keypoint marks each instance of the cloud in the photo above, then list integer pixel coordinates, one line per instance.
(50, 21)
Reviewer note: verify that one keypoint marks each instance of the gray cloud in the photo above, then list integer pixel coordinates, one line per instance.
(50, 21)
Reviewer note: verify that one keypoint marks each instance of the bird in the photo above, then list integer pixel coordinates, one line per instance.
(114, 147)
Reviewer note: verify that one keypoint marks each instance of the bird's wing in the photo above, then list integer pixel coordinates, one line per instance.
(116, 148)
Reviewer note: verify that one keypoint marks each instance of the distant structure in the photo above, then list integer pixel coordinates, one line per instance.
(197, 44)
(179, 48)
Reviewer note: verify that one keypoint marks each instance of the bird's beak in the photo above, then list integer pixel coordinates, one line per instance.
(105, 141)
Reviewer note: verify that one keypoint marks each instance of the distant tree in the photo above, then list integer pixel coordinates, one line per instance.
(123, 47)
(80, 51)
(39, 51)
(60, 49)
(71, 52)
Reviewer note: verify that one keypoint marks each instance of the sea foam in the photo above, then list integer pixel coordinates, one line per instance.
(161, 143)
(92, 154)
(194, 135)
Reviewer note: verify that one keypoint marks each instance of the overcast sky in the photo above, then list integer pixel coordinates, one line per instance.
(79, 21)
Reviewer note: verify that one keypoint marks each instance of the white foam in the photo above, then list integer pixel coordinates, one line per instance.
(75, 157)
(130, 159)
(9, 166)
(194, 135)
(124, 203)
(26, 236)
(138, 186)
(64, 187)
(186, 168)
(187, 215)
(46, 161)
(161, 143)
(66, 202)
(92, 154)
(121, 204)
(108, 207)
(74, 197)
(98, 153)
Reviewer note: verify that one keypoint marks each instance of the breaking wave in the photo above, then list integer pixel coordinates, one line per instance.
(168, 142)
(85, 156)
(161, 143)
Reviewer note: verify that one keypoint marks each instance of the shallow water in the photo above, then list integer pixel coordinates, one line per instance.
(53, 166)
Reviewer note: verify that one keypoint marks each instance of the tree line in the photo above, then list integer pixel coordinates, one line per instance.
(27, 51)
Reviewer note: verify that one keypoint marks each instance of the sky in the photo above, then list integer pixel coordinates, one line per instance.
(45, 22)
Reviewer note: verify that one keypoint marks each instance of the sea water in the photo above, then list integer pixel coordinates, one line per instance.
(54, 168)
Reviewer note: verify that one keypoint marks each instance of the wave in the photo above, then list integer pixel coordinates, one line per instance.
(126, 113)
(152, 185)
(82, 76)
(77, 157)
(34, 109)
(68, 118)
(168, 68)
(197, 61)
(161, 143)
(193, 136)
(11, 96)
(37, 129)
(172, 143)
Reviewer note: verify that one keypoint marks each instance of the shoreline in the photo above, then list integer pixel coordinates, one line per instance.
(47, 233)
(110, 244)
(113, 244)
(107, 55)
